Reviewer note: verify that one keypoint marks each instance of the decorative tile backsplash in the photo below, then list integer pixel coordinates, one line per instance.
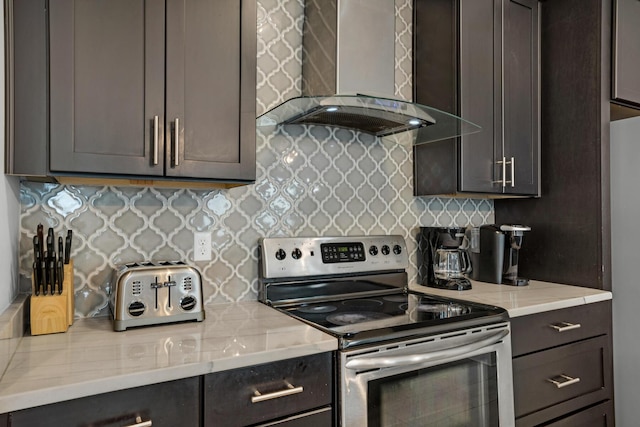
(309, 181)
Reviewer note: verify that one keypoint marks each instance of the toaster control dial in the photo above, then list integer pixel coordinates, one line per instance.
(188, 303)
(136, 308)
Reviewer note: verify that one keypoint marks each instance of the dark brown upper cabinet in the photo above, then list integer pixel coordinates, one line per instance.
(148, 89)
(570, 238)
(479, 59)
(626, 53)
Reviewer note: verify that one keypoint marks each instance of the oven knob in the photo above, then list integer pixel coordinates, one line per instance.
(296, 254)
(373, 250)
(281, 254)
(188, 303)
(397, 249)
(385, 250)
(136, 308)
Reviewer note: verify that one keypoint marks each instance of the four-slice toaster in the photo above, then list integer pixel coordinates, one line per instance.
(155, 292)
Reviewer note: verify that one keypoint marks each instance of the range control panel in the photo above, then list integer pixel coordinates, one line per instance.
(317, 256)
(342, 252)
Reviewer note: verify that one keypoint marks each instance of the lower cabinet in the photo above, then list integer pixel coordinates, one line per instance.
(173, 403)
(562, 367)
(292, 392)
(295, 392)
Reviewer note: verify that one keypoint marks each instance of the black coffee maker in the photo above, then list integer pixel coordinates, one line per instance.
(442, 263)
(494, 253)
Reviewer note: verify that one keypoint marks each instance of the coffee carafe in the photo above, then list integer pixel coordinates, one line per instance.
(443, 264)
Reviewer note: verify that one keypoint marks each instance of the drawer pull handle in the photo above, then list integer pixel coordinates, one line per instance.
(259, 397)
(567, 380)
(565, 326)
(140, 423)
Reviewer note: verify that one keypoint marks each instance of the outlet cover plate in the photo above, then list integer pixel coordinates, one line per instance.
(202, 246)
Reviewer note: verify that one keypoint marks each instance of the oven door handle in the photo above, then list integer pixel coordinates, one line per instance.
(379, 362)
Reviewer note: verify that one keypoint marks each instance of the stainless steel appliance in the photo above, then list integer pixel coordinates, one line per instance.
(442, 262)
(405, 358)
(494, 253)
(154, 293)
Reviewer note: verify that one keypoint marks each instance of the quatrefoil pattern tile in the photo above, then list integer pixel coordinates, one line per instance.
(310, 181)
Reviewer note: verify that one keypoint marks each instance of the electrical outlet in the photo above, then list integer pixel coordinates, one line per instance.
(202, 246)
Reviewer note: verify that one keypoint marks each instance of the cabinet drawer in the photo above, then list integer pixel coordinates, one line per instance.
(553, 328)
(230, 396)
(588, 380)
(597, 416)
(320, 418)
(174, 403)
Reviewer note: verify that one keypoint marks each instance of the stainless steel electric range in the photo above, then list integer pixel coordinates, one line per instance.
(405, 357)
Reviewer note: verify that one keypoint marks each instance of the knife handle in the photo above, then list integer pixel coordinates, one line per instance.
(60, 271)
(67, 247)
(41, 239)
(43, 274)
(36, 286)
(51, 273)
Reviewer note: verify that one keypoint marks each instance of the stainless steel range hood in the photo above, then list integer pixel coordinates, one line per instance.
(348, 76)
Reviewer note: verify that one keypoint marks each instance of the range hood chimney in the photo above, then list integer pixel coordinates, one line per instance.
(348, 76)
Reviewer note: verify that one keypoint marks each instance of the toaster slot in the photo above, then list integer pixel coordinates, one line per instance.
(155, 285)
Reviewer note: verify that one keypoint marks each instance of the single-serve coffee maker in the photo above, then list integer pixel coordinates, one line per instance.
(494, 253)
(443, 264)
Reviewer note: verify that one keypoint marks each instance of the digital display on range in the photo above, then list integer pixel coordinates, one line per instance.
(342, 252)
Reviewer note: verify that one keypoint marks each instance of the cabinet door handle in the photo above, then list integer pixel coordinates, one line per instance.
(513, 172)
(504, 164)
(176, 142)
(559, 383)
(503, 181)
(155, 140)
(565, 326)
(140, 423)
(259, 397)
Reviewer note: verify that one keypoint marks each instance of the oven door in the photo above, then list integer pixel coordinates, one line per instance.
(463, 378)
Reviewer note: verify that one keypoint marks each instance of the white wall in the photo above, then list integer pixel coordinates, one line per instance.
(9, 211)
(625, 251)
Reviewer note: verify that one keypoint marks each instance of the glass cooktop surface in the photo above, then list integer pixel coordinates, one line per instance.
(361, 319)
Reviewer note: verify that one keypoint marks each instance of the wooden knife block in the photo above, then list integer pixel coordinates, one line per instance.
(51, 314)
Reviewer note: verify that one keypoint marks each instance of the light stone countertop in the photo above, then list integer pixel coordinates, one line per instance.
(534, 298)
(90, 358)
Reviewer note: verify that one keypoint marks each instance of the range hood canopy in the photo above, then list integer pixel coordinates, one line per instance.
(348, 77)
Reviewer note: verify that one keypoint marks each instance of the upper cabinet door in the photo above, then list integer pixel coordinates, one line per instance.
(520, 91)
(211, 95)
(107, 86)
(479, 59)
(626, 53)
(480, 96)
